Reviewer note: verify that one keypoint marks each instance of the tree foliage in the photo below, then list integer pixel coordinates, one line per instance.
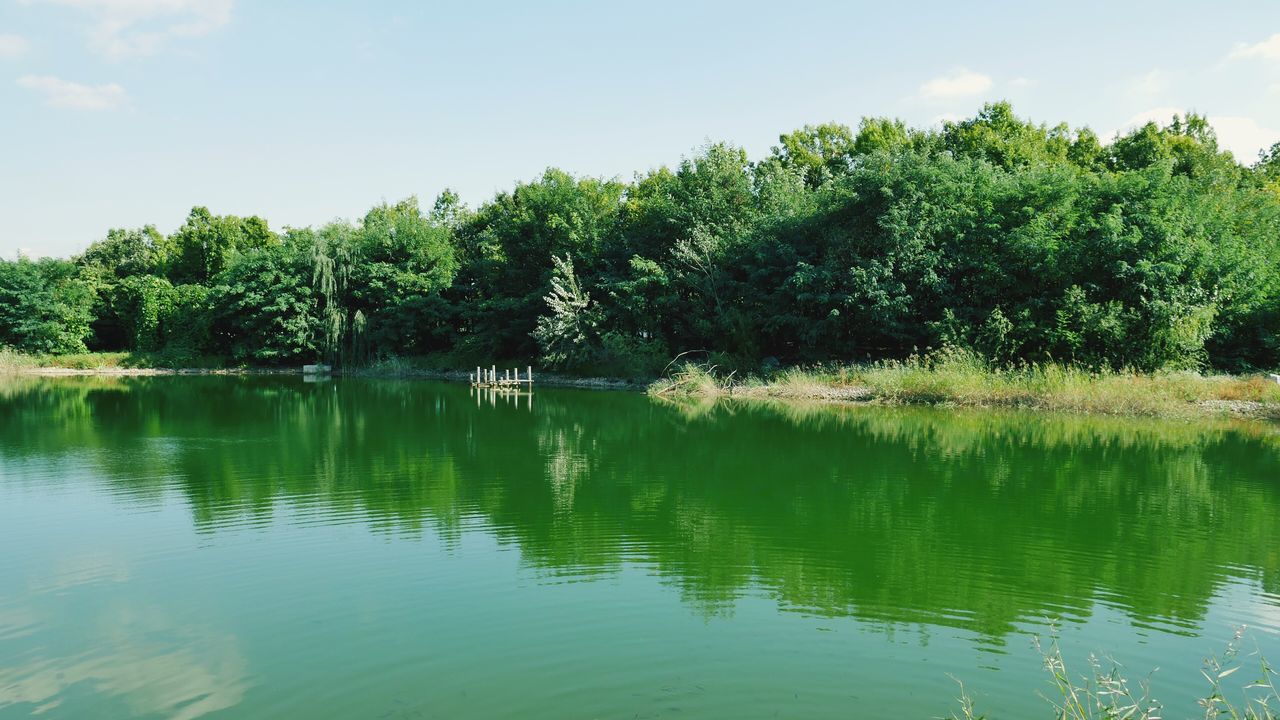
(1018, 240)
(569, 333)
(207, 244)
(45, 306)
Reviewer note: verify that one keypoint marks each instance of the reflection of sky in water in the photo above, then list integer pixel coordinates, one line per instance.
(82, 634)
(82, 568)
(1243, 603)
(207, 673)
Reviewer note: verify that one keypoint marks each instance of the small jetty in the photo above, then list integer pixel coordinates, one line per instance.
(509, 381)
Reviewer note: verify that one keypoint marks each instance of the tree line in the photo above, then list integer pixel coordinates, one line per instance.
(1023, 242)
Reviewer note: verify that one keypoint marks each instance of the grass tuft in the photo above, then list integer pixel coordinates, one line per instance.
(962, 378)
(1105, 694)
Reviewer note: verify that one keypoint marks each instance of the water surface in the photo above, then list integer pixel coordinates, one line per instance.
(245, 547)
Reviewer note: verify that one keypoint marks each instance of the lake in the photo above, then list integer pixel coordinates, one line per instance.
(265, 547)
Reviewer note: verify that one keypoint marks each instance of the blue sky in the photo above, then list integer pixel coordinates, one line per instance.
(118, 113)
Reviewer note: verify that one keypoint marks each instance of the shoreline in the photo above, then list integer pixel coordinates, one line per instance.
(141, 372)
(815, 391)
(860, 395)
(542, 378)
(964, 384)
(459, 376)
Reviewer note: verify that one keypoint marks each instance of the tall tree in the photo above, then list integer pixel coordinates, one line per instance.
(206, 244)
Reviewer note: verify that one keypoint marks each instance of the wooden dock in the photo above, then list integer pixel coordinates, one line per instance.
(509, 381)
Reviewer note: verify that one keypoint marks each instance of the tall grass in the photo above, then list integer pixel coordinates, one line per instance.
(13, 361)
(1104, 693)
(693, 379)
(959, 377)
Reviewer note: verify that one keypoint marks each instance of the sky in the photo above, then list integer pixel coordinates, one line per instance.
(121, 113)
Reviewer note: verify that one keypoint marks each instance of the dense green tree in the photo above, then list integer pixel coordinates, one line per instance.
(186, 324)
(817, 152)
(141, 301)
(569, 334)
(264, 307)
(125, 253)
(1000, 137)
(206, 244)
(1018, 240)
(406, 261)
(507, 249)
(45, 306)
(883, 135)
(109, 264)
(1267, 169)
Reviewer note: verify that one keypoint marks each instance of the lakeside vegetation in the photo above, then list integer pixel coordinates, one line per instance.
(963, 378)
(1105, 693)
(12, 361)
(1028, 245)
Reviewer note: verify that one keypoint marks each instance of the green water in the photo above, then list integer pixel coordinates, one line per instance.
(269, 548)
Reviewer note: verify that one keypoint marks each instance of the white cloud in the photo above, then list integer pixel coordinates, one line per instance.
(959, 83)
(1158, 115)
(945, 118)
(143, 27)
(12, 45)
(1243, 136)
(1268, 49)
(1022, 82)
(67, 94)
(1153, 83)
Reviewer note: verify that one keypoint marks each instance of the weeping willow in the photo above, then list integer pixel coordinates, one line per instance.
(342, 334)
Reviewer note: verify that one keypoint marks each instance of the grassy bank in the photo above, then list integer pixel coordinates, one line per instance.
(962, 379)
(107, 362)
